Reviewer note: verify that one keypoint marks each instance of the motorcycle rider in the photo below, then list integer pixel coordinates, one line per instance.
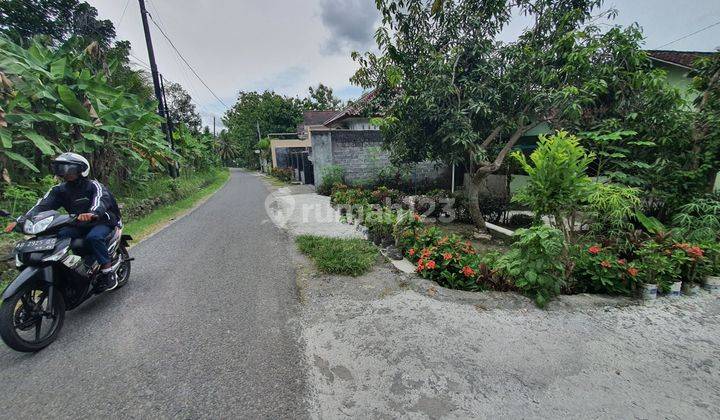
(90, 200)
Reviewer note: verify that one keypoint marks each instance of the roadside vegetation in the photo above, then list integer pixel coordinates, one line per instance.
(66, 84)
(351, 257)
(619, 194)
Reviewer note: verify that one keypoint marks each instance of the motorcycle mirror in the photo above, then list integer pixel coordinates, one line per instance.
(4, 213)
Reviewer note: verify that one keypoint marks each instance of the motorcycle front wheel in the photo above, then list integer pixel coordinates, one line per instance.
(28, 323)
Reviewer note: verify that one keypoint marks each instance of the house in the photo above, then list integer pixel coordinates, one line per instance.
(292, 149)
(344, 138)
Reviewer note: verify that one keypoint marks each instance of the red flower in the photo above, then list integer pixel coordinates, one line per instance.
(621, 261)
(468, 272)
(633, 271)
(430, 265)
(594, 250)
(411, 252)
(425, 253)
(416, 217)
(695, 251)
(421, 265)
(447, 256)
(606, 264)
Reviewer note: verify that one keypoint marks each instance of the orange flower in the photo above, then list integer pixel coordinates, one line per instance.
(425, 253)
(430, 265)
(633, 271)
(447, 256)
(468, 272)
(621, 261)
(421, 265)
(411, 252)
(416, 217)
(594, 250)
(606, 264)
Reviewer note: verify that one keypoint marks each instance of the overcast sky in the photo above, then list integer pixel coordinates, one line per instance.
(288, 45)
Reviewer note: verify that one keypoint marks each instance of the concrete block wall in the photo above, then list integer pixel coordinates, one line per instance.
(360, 153)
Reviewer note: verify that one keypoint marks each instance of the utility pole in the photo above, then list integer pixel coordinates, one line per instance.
(214, 134)
(174, 170)
(155, 75)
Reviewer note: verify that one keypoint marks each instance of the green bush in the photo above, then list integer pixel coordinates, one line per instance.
(351, 257)
(535, 263)
(331, 175)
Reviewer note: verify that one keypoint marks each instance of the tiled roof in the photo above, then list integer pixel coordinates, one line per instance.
(679, 58)
(317, 117)
(354, 110)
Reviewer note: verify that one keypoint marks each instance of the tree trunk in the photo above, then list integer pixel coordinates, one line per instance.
(474, 185)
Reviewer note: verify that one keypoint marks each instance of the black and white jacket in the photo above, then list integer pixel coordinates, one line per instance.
(81, 196)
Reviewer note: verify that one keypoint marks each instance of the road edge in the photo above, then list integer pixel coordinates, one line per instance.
(182, 214)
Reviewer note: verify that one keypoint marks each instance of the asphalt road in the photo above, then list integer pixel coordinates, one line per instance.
(205, 328)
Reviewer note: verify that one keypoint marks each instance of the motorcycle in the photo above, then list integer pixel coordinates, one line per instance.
(56, 275)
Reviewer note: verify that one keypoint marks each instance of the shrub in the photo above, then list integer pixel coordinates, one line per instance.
(351, 257)
(599, 269)
(331, 175)
(535, 263)
(699, 220)
(493, 207)
(452, 262)
(283, 174)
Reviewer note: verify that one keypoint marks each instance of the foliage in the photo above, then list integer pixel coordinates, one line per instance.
(599, 269)
(453, 91)
(331, 175)
(283, 174)
(321, 98)
(452, 262)
(57, 19)
(182, 110)
(559, 187)
(535, 263)
(351, 257)
(699, 220)
(226, 148)
(255, 115)
(58, 99)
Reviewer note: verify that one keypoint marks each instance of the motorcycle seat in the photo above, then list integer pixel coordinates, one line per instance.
(79, 247)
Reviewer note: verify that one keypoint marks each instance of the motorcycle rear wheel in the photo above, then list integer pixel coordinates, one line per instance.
(123, 272)
(22, 317)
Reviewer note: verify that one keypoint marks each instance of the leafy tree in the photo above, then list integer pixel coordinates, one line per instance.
(454, 92)
(182, 109)
(58, 99)
(57, 19)
(322, 98)
(266, 112)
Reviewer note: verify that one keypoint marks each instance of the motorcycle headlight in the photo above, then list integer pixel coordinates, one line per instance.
(31, 228)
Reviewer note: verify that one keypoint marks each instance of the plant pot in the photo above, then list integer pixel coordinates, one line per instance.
(712, 284)
(649, 291)
(690, 288)
(675, 289)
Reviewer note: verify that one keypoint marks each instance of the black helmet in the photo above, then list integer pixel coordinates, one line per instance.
(70, 163)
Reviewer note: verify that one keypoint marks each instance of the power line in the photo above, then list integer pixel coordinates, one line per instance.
(689, 35)
(186, 62)
(122, 16)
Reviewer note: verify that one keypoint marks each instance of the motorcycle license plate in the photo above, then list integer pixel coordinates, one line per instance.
(37, 245)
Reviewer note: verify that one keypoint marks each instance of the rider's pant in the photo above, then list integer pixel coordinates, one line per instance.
(94, 238)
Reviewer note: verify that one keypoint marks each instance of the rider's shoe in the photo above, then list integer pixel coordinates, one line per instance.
(106, 282)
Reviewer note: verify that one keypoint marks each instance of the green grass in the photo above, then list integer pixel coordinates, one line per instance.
(351, 257)
(159, 217)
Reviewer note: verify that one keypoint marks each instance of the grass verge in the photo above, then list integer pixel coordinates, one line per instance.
(351, 257)
(146, 225)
